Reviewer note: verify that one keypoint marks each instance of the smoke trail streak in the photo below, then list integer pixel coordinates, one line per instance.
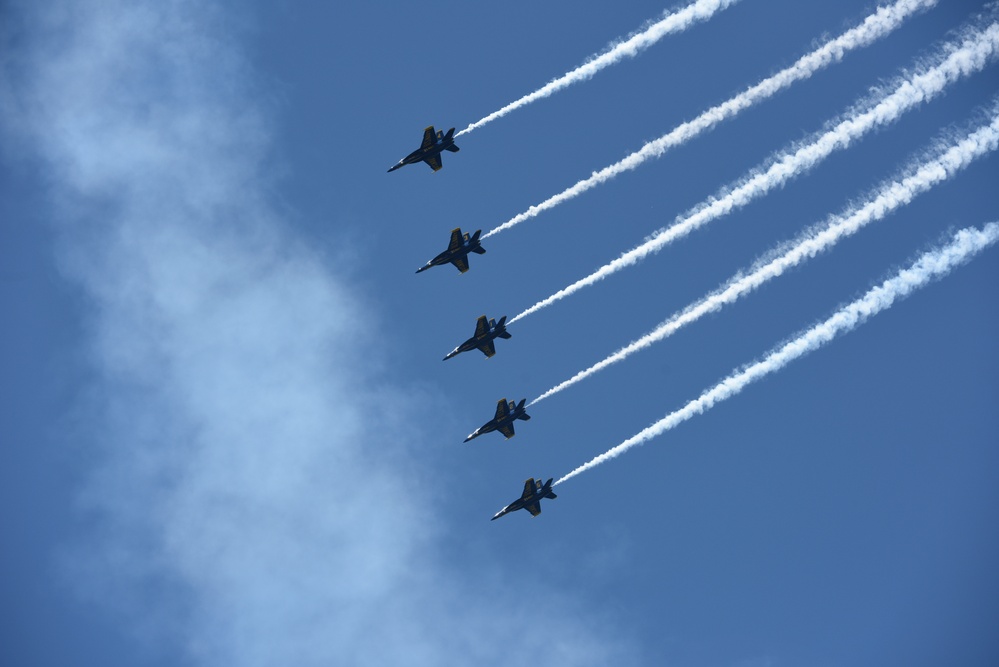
(875, 26)
(701, 10)
(932, 265)
(974, 53)
(890, 197)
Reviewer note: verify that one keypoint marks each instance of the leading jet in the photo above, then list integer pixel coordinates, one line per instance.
(430, 150)
(506, 415)
(457, 251)
(530, 500)
(485, 333)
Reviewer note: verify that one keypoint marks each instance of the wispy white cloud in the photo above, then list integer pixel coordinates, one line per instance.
(976, 49)
(929, 267)
(877, 25)
(921, 177)
(671, 23)
(249, 465)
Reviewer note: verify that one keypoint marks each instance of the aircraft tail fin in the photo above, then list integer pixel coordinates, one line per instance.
(450, 137)
(474, 244)
(501, 328)
(546, 490)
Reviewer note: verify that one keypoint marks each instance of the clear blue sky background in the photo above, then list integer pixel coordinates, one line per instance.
(227, 434)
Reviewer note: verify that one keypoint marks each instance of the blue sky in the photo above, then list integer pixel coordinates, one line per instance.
(229, 438)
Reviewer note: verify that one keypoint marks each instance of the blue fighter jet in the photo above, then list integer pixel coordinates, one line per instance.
(530, 500)
(457, 251)
(430, 150)
(485, 333)
(506, 415)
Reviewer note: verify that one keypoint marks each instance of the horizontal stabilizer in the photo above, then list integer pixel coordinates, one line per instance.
(479, 250)
(505, 334)
(452, 148)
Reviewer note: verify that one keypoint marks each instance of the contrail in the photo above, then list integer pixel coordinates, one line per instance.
(701, 10)
(891, 196)
(875, 26)
(932, 265)
(975, 51)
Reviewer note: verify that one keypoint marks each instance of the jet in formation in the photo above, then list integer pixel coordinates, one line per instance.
(530, 499)
(506, 415)
(485, 333)
(457, 251)
(430, 150)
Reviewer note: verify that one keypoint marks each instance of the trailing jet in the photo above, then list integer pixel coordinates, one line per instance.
(506, 415)
(457, 251)
(485, 333)
(430, 150)
(530, 499)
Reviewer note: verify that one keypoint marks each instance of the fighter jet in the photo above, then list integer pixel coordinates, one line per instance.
(457, 251)
(485, 332)
(430, 150)
(506, 415)
(530, 499)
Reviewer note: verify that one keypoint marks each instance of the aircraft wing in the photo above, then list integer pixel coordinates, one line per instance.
(434, 161)
(528, 489)
(461, 263)
(533, 508)
(502, 409)
(481, 326)
(506, 430)
(455, 239)
(429, 137)
(487, 348)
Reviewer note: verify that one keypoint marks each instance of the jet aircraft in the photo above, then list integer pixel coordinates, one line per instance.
(430, 150)
(457, 251)
(506, 415)
(485, 333)
(530, 499)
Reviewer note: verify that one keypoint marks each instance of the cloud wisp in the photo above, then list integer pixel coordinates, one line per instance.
(671, 23)
(253, 495)
(931, 266)
(889, 197)
(875, 26)
(970, 54)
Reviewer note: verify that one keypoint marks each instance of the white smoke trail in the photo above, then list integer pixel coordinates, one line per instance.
(932, 265)
(875, 26)
(701, 10)
(890, 197)
(975, 51)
